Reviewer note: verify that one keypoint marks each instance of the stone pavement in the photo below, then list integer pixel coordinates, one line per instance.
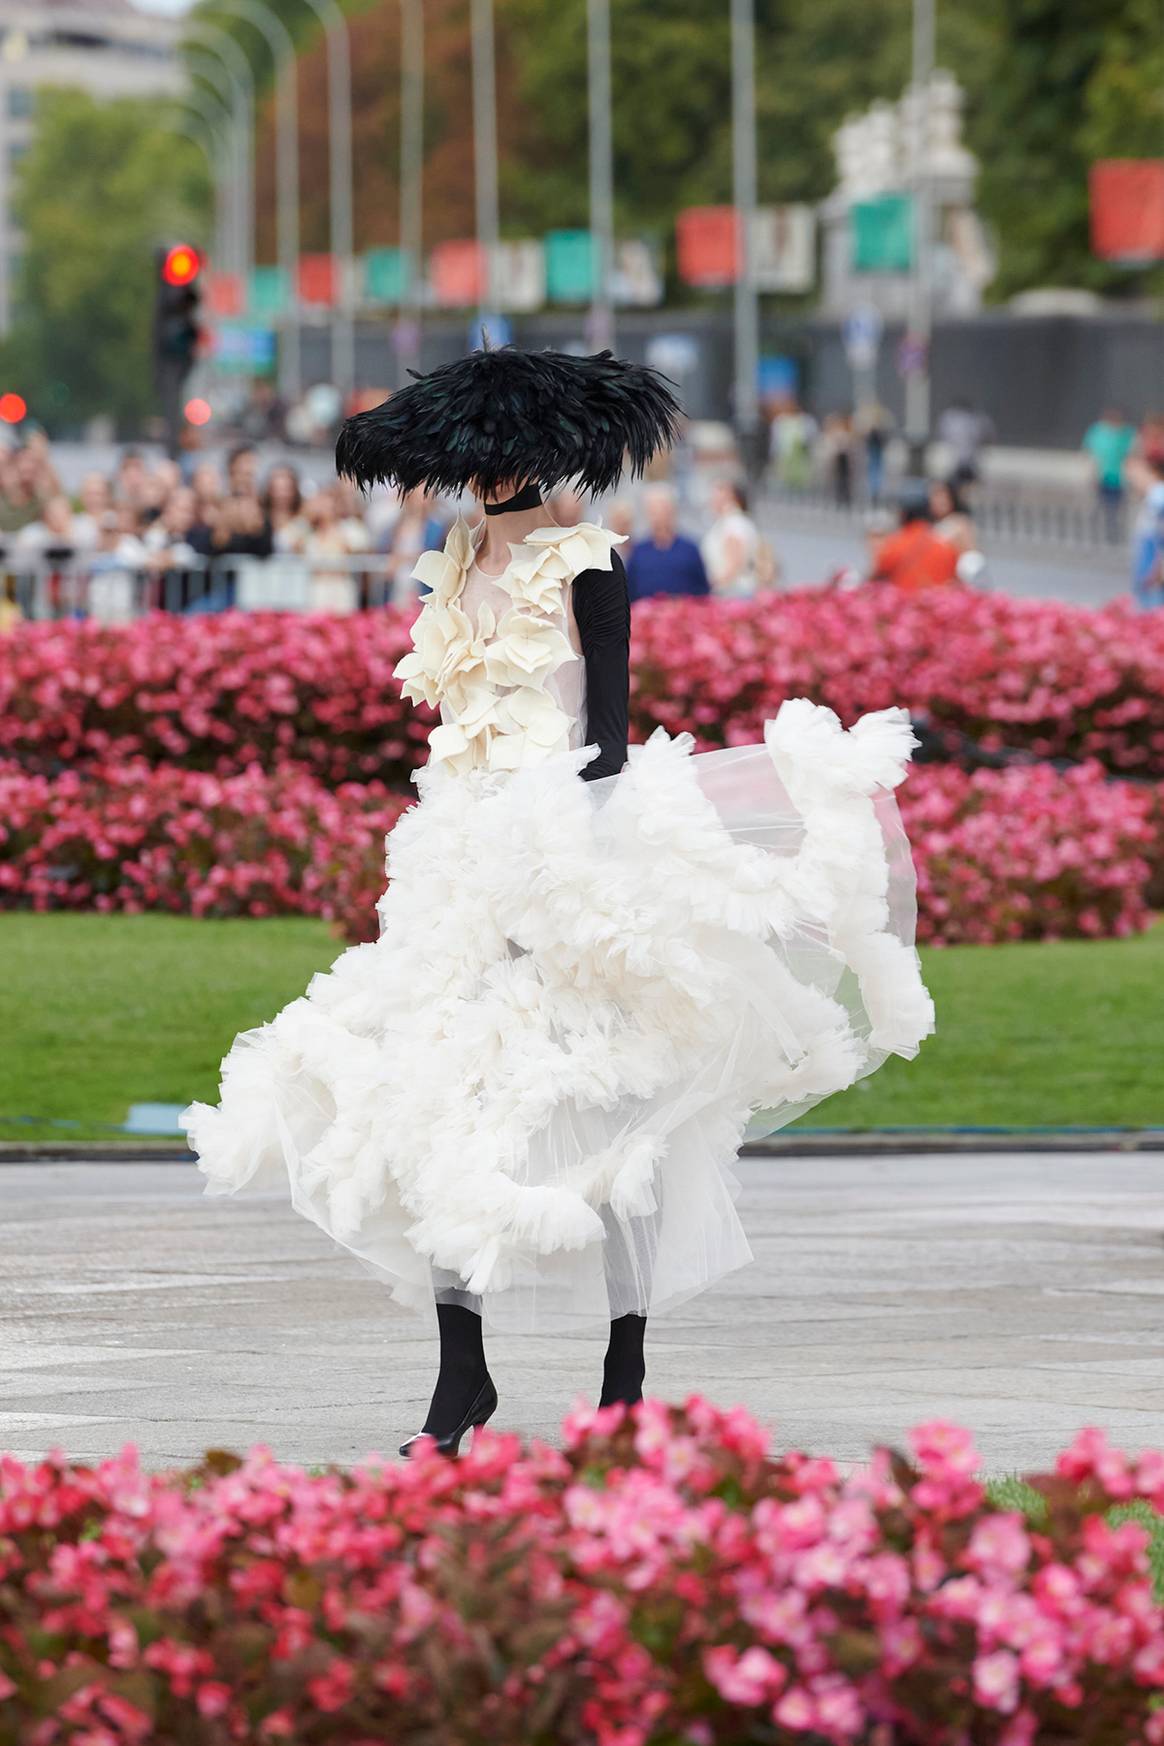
(1022, 1295)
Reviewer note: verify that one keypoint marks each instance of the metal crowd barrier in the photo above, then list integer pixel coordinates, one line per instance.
(73, 585)
(1029, 520)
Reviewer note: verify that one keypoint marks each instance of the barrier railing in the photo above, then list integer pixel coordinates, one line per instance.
(1058, 520)
(63, 584)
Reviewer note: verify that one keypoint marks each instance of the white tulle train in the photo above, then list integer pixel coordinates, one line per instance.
(532, 1088)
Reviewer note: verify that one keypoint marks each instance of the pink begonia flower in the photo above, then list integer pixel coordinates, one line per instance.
(834, 1605)
(999, 1545)
(747, 1679)
(996, 1681)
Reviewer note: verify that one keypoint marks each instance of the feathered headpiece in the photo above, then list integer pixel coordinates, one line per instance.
(507, 417)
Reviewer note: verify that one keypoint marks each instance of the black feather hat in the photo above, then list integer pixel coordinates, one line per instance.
(507, 417)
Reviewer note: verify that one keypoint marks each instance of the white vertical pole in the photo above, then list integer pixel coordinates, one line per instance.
(601, 174)
(485, 148)
(339, 121)
(220, 50)
(411, 161)
(747, 312)
(6, 288)
(278, 38)
(918, 410)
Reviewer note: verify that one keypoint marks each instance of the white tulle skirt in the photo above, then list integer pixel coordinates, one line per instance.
(529, 1093)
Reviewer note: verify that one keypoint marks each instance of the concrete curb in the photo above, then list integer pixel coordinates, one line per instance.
(804, 1143)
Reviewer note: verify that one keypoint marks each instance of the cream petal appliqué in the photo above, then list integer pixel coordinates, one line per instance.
(490, 677)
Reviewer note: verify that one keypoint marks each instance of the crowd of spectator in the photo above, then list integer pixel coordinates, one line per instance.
(150, 534)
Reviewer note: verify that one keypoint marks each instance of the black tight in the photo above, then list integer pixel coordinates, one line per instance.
(463, 1370)
(625, 1367)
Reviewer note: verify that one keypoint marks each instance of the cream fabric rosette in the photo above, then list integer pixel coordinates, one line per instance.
(444, 572)
(551, 556)
(435, 630)
(490, 678)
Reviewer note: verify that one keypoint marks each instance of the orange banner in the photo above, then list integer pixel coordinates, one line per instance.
(318, 280)
(458, 273)
(1127, 209)
(224, 295)
(707, 245)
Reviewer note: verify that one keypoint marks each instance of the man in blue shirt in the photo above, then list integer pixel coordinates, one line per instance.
(666, 562)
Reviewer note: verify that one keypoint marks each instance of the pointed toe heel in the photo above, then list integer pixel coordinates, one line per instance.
(481, 1410)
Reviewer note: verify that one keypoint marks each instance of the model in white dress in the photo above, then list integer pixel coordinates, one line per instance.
(525, 1099)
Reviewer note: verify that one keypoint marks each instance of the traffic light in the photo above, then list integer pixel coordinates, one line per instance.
(177, 297)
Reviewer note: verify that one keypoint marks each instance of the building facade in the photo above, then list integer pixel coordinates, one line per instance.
(107, 48)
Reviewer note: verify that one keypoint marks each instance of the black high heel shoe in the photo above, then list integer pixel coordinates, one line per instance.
(479, 1413)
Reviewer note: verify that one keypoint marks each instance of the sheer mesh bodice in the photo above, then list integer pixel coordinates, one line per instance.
(566, 684)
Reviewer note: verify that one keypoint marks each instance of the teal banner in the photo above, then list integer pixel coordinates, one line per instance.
(882, 233)
(569, 266)
(270, 292)
(385, 275)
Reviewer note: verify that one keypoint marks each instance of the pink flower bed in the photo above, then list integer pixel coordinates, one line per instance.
(663, 1580)
(1024, 853)
(132, 837)
(1030, 852)
(219, 693)
(227, 691)
(1053, 680)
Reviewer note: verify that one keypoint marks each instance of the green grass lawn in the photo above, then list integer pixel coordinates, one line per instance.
(98, 1012)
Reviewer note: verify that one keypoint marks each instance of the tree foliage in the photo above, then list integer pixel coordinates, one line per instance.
(1069, 81)
(102, 185)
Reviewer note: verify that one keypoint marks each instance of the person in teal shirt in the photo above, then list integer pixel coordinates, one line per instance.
(1109, 442)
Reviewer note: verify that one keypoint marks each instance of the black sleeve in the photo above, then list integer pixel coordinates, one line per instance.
(602, 611)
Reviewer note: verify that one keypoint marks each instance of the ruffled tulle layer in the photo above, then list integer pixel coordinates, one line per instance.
(530, 1091)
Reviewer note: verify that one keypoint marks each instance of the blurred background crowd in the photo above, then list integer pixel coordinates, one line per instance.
(146, 530)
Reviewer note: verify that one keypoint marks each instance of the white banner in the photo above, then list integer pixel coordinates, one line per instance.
(520, 275)
(638, 274)
(784, 244)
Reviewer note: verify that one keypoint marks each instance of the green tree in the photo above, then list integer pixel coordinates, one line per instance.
(101, 187)
(817, 62)
(1071, 81)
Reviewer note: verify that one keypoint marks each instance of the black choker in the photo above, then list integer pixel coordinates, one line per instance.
(529, 497)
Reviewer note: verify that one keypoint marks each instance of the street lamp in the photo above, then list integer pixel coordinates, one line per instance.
(411, 171)
(921, 292)
(485, 149)
(747, 310)
(205, 137)
(219, 44)
(601, 174)
(233, 147)
(339, 112)
(268, 23)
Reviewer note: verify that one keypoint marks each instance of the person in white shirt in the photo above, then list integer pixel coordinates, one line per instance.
(335, 590)
(729, 546)
(52, 531)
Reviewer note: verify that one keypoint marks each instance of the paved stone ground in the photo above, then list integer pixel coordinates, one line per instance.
(1022, 1295)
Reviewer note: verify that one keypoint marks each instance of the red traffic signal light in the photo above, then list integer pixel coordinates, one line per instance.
(181, 265)
(13, 408)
